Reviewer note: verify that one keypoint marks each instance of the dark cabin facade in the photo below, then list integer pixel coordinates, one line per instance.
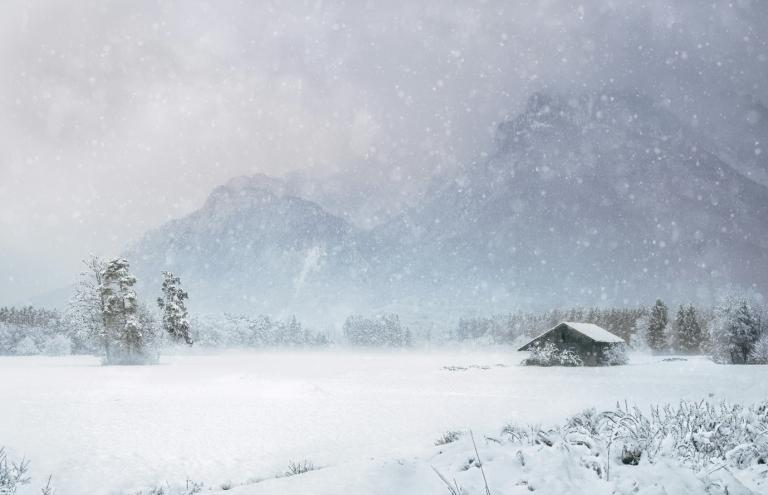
(587, 340)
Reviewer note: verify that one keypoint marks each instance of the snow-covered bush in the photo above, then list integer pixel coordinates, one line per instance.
(547, 354)
(58, 345)
(301, 467)
(17, 323)
(696, 433)
(449, 436)
(614, 355)
(735, 331)
(189, 488)
(759, 354)
(12, 475)
(542, 354)
(626, 442)
(27, 347)
(567, 357)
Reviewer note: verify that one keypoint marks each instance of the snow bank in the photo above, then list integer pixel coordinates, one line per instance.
(239, 416)
(693, 448)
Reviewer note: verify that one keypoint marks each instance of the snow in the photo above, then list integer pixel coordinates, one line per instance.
(594, 332)
(361, 416)
(547, 470)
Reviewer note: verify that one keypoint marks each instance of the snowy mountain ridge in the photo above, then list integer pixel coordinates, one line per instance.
(586, 199)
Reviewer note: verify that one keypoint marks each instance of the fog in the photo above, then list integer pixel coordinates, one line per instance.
(116, 116)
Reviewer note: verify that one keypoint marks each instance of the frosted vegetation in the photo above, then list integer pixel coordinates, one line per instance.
(326, 228)
(700, 446)
(690, 447)
(365, 419)
(107, 318)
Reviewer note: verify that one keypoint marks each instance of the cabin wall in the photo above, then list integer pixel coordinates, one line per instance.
(564, 337)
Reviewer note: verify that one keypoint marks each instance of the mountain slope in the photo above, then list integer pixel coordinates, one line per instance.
(585, 199)
(252, 247)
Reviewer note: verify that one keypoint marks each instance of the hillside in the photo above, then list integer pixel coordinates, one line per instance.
(593, 198)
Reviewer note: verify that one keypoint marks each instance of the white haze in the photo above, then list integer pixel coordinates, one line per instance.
(116, 116)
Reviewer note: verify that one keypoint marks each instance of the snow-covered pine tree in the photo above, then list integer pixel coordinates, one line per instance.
(735, 331)
(759, 353)
(638, 339)
(656, 335)
(689, 333)
(293, 332)
(126, 323)
(175, 318)
(677, 327)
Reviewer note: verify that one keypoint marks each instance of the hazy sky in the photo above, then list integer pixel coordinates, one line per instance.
(116, 116)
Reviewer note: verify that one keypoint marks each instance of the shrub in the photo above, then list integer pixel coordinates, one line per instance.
(542, 354)
(698, 434)
(567, 357)
(614, 354)
(57, 345)
(449, 436)
(12, 475)
(27, 347)
(759, 354)
(547, 354)
(302, 467)
(190, 488)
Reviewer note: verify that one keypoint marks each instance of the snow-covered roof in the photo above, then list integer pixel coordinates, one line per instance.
(594, 332)
(589, 330)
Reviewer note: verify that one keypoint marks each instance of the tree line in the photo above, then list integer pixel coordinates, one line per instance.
(29, 330)
(230, 331)
(507, 328)
(106, 317)
(735, 331)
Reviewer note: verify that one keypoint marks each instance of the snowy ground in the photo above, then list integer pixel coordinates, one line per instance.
(241, 417)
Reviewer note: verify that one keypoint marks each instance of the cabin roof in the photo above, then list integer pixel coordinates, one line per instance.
(589, 330)
(594, 332)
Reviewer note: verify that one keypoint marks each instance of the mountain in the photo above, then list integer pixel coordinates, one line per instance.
(742, 135)
(587, 199)
(361, 195)
(253, 247)
(594, 198)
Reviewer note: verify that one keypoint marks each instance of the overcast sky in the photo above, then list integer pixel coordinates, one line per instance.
(116, 116)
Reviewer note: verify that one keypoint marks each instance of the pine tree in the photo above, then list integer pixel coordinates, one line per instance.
(656, 334)
(294, 334)
(735, 331)
(175, 318)
(122, 311)
(688, 330)
(678, 329)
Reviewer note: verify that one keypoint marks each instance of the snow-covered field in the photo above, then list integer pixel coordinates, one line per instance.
(243, 416)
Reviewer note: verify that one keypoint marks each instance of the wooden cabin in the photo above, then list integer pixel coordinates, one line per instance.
(587, 340)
